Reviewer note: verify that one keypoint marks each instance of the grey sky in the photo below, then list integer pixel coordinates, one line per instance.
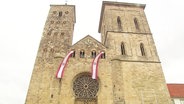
(22, 22)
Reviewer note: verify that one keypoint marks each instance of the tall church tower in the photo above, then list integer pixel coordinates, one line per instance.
(137, 75)
(129, 70)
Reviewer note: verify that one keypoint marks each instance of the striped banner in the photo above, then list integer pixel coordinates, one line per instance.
(95, 65)
(63, 65)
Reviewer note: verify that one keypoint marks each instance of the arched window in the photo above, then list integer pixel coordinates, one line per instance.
(82, 54)
(142, 49)
(52, 50)
(93, 54)
(119, 23)
(51, 95)
(123, 49)
(50, 32)
(73, 54)
(60, 13)
(136, 23)
(45, 50)
(103, 56)
(55, 35)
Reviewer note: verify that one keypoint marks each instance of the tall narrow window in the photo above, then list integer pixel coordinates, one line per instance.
(119, 23)
(60, 13)
(73, 54)
(123, 49)
(136, 23)
(51, 95)
(82, 54)
(142, 49)
(103, 56)
(93, 54)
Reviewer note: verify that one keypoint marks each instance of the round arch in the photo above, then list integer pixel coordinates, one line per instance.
(85, 88)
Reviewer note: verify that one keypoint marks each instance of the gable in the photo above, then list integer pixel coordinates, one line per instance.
(87, 47)
(88, 43)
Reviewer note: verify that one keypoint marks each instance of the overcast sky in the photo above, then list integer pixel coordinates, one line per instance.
(22, 23)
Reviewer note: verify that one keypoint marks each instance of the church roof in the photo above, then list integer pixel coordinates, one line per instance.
(176, 90)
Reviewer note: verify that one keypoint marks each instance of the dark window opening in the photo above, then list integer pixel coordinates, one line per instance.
(50, 32)
(45, 50)
(54, 12)
(62, 34)
(103, 55)
(123, 49)
(119, 23)
(52, 50)
(93, 54)
(60, 13)
(52, 96)
(142, 49)
(82, 54)
(52, 22)
(73, 54)
(66, 12)
(136, 23)
(64, 22)
(55, 35)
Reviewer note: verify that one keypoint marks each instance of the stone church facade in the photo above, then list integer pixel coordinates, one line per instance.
(129, 71)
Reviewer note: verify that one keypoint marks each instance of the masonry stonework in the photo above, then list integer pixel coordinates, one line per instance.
(133, 76)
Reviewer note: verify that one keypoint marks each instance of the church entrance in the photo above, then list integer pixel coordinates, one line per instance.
(85, 89)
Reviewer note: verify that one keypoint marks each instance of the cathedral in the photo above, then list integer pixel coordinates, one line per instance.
(124, 68)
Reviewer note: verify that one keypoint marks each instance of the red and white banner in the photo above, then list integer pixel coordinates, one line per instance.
(95, 65)
(62, 65)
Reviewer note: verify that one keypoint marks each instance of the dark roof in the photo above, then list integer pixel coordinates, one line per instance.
(176, 90)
